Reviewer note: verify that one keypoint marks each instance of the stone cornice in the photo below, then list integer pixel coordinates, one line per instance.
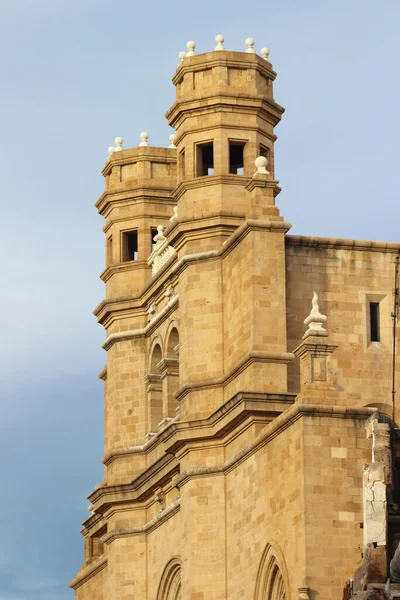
(144, 331)
(219, 426)
(94, 523)
(209, 180)
(163, 516)
(89, 571)
(290, 416)
(234, 60)
(257, 128)
(297, 241)
(221, 102)
(260, 182)
(139, 154)
(131, 265)
(161, 219)
(103, 374)
(216, 426)
(248, 359)
(145, 193)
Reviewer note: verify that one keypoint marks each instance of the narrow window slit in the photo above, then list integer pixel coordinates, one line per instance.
(153, 234)
(374, 321)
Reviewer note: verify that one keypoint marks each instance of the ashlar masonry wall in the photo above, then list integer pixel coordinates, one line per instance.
(347, 276)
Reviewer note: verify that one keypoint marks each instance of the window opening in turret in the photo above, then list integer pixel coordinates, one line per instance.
(129, 246)
(374, 322)
(109, 251)
(205, 159)
(264, 151)
(153, 234)
(182, 164)
(236, 158)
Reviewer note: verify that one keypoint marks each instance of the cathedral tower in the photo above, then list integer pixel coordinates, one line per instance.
(216, 464)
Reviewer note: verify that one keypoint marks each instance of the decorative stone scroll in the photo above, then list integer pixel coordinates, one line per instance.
(162, 251)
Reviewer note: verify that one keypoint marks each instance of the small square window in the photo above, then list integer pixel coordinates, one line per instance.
(129, 246)
(204, 159)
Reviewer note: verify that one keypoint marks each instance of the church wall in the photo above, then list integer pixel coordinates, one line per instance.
(265, 505)
(94, 588)
(344, 280)
(162, 545)
(335, 453)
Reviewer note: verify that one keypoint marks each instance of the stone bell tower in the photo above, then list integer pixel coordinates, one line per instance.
(224, 116)
(195, 319)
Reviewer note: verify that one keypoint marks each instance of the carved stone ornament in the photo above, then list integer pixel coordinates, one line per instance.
(315, 320)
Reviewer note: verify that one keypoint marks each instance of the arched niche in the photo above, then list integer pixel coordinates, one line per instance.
(170, 584)
(154, 389)
(272, 581)
(173, 343)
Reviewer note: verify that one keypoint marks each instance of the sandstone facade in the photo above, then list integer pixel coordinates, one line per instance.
(235, 445)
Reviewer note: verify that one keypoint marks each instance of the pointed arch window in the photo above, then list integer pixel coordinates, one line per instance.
(170, 584)
(270, 584)
(154, 390)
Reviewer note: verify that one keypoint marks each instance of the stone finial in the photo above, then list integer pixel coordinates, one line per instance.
(144, 139)
(118, 144)
(303, 593)
(172, 139)
(159, 237)
(315, 320)
(175, 215)
(250, 45)
(265, 54)
(182, 56)
(190, 46)
(261, 163)
(152, 311)
(169, 292)
(220, 43)
(111, 150)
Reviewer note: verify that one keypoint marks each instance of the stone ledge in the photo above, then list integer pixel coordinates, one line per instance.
(88, 572)
(342, 244)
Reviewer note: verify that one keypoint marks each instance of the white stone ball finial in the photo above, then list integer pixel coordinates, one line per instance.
(144, 139)
(261, 163)
(172, 139)
(182, 56)
(265, 54)
(250, 45)
(118, 144)
(159, 238)
(190, 46)
(220, 43)
(111, 150)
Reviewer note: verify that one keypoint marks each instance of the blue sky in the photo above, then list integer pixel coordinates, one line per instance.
(75, 74)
